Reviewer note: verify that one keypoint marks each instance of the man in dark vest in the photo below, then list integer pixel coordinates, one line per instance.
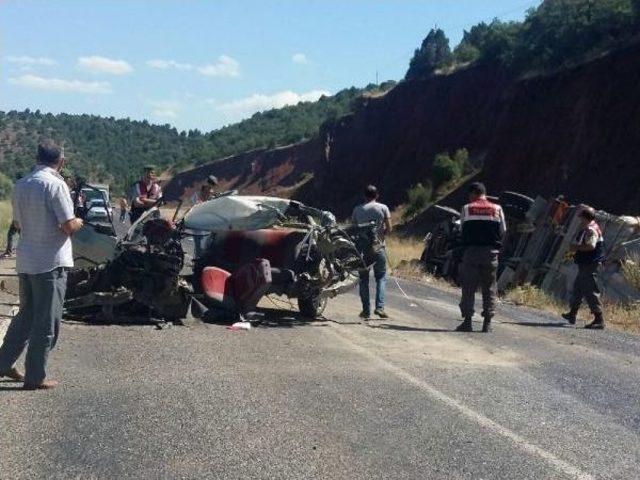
(589, 255)
(146, 193)
(483, 228)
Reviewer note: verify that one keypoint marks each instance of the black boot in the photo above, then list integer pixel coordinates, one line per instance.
(486, 325)
(597, 324)
(570, 317)
(465, 326)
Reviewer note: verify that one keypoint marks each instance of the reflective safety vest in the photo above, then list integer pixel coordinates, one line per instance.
(584, 236)
(483, 224)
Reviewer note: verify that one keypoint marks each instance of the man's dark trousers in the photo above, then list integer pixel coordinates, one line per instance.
(36, 324)
(586, 286)
(478, 269)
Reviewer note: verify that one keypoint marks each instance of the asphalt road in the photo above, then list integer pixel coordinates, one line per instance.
(400, 398)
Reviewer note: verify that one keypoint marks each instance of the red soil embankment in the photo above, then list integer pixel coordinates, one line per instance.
(573, 132)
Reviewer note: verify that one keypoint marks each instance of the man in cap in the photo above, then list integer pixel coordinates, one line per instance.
(588, 246)
(483, 229)
(145, 194)
(43, 210)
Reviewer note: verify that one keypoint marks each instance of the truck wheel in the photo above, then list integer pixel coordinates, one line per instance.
(312, 307)
(515, 204)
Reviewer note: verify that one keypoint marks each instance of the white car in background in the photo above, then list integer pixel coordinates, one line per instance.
(97, 204)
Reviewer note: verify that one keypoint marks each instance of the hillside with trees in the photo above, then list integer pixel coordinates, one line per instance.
(110, 150)
(558, 33)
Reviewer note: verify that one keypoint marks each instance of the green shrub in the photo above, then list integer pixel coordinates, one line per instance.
(445, 169)
(418, 198)
(6, 187)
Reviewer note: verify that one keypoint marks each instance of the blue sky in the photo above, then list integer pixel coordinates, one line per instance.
(203, 64)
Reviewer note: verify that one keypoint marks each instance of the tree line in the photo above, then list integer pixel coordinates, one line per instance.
(113, 151)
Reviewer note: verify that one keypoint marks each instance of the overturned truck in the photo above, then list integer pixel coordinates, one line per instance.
(252, 246)
(536, 248)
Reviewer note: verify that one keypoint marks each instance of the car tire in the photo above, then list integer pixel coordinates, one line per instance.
(312, 307)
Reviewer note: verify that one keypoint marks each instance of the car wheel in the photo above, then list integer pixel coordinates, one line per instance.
(312, 307)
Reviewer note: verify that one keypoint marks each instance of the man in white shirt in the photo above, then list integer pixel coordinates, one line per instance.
(43, 209)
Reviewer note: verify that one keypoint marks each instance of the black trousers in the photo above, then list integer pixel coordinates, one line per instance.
(586, 287)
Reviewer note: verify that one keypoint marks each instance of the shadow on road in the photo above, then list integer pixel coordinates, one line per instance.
(538, 324)
(406, 328)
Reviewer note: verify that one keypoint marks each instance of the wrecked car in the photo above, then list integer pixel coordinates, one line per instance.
(255, 246)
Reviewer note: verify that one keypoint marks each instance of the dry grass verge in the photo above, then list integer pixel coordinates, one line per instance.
(621, 316)
(631, 271)
(403, 249)
(530, 296)
(5, 220)
(403, 257)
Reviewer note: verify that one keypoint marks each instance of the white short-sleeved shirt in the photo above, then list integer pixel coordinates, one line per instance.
(41, 203)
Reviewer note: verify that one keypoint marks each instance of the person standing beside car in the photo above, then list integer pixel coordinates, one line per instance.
(373, 211)
(145, 194)
(203, 195)
(124, 206)
(43, 210)
(483, 230)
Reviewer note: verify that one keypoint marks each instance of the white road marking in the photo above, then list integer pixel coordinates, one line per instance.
(477, 417)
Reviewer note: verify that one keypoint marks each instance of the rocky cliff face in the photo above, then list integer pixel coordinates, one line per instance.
(279, 172)
(574, 132)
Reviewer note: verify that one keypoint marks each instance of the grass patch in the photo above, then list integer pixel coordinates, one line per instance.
(625, 317)
(631, 271)
(399, 249)
(530, 296)
(403, 257)
(6, 215)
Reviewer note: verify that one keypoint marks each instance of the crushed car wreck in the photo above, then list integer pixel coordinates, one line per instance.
(255, 246)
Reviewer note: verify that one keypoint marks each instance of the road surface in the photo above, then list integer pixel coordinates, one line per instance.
(404, 398)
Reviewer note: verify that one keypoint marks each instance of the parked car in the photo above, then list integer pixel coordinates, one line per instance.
(96, 204)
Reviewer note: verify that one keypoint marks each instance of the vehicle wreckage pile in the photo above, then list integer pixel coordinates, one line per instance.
(253, 246)
(536, 249)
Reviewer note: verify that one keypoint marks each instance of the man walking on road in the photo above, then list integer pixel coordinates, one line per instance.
(483, 229)
(589, 255)
(43, 209)
(373, 211)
